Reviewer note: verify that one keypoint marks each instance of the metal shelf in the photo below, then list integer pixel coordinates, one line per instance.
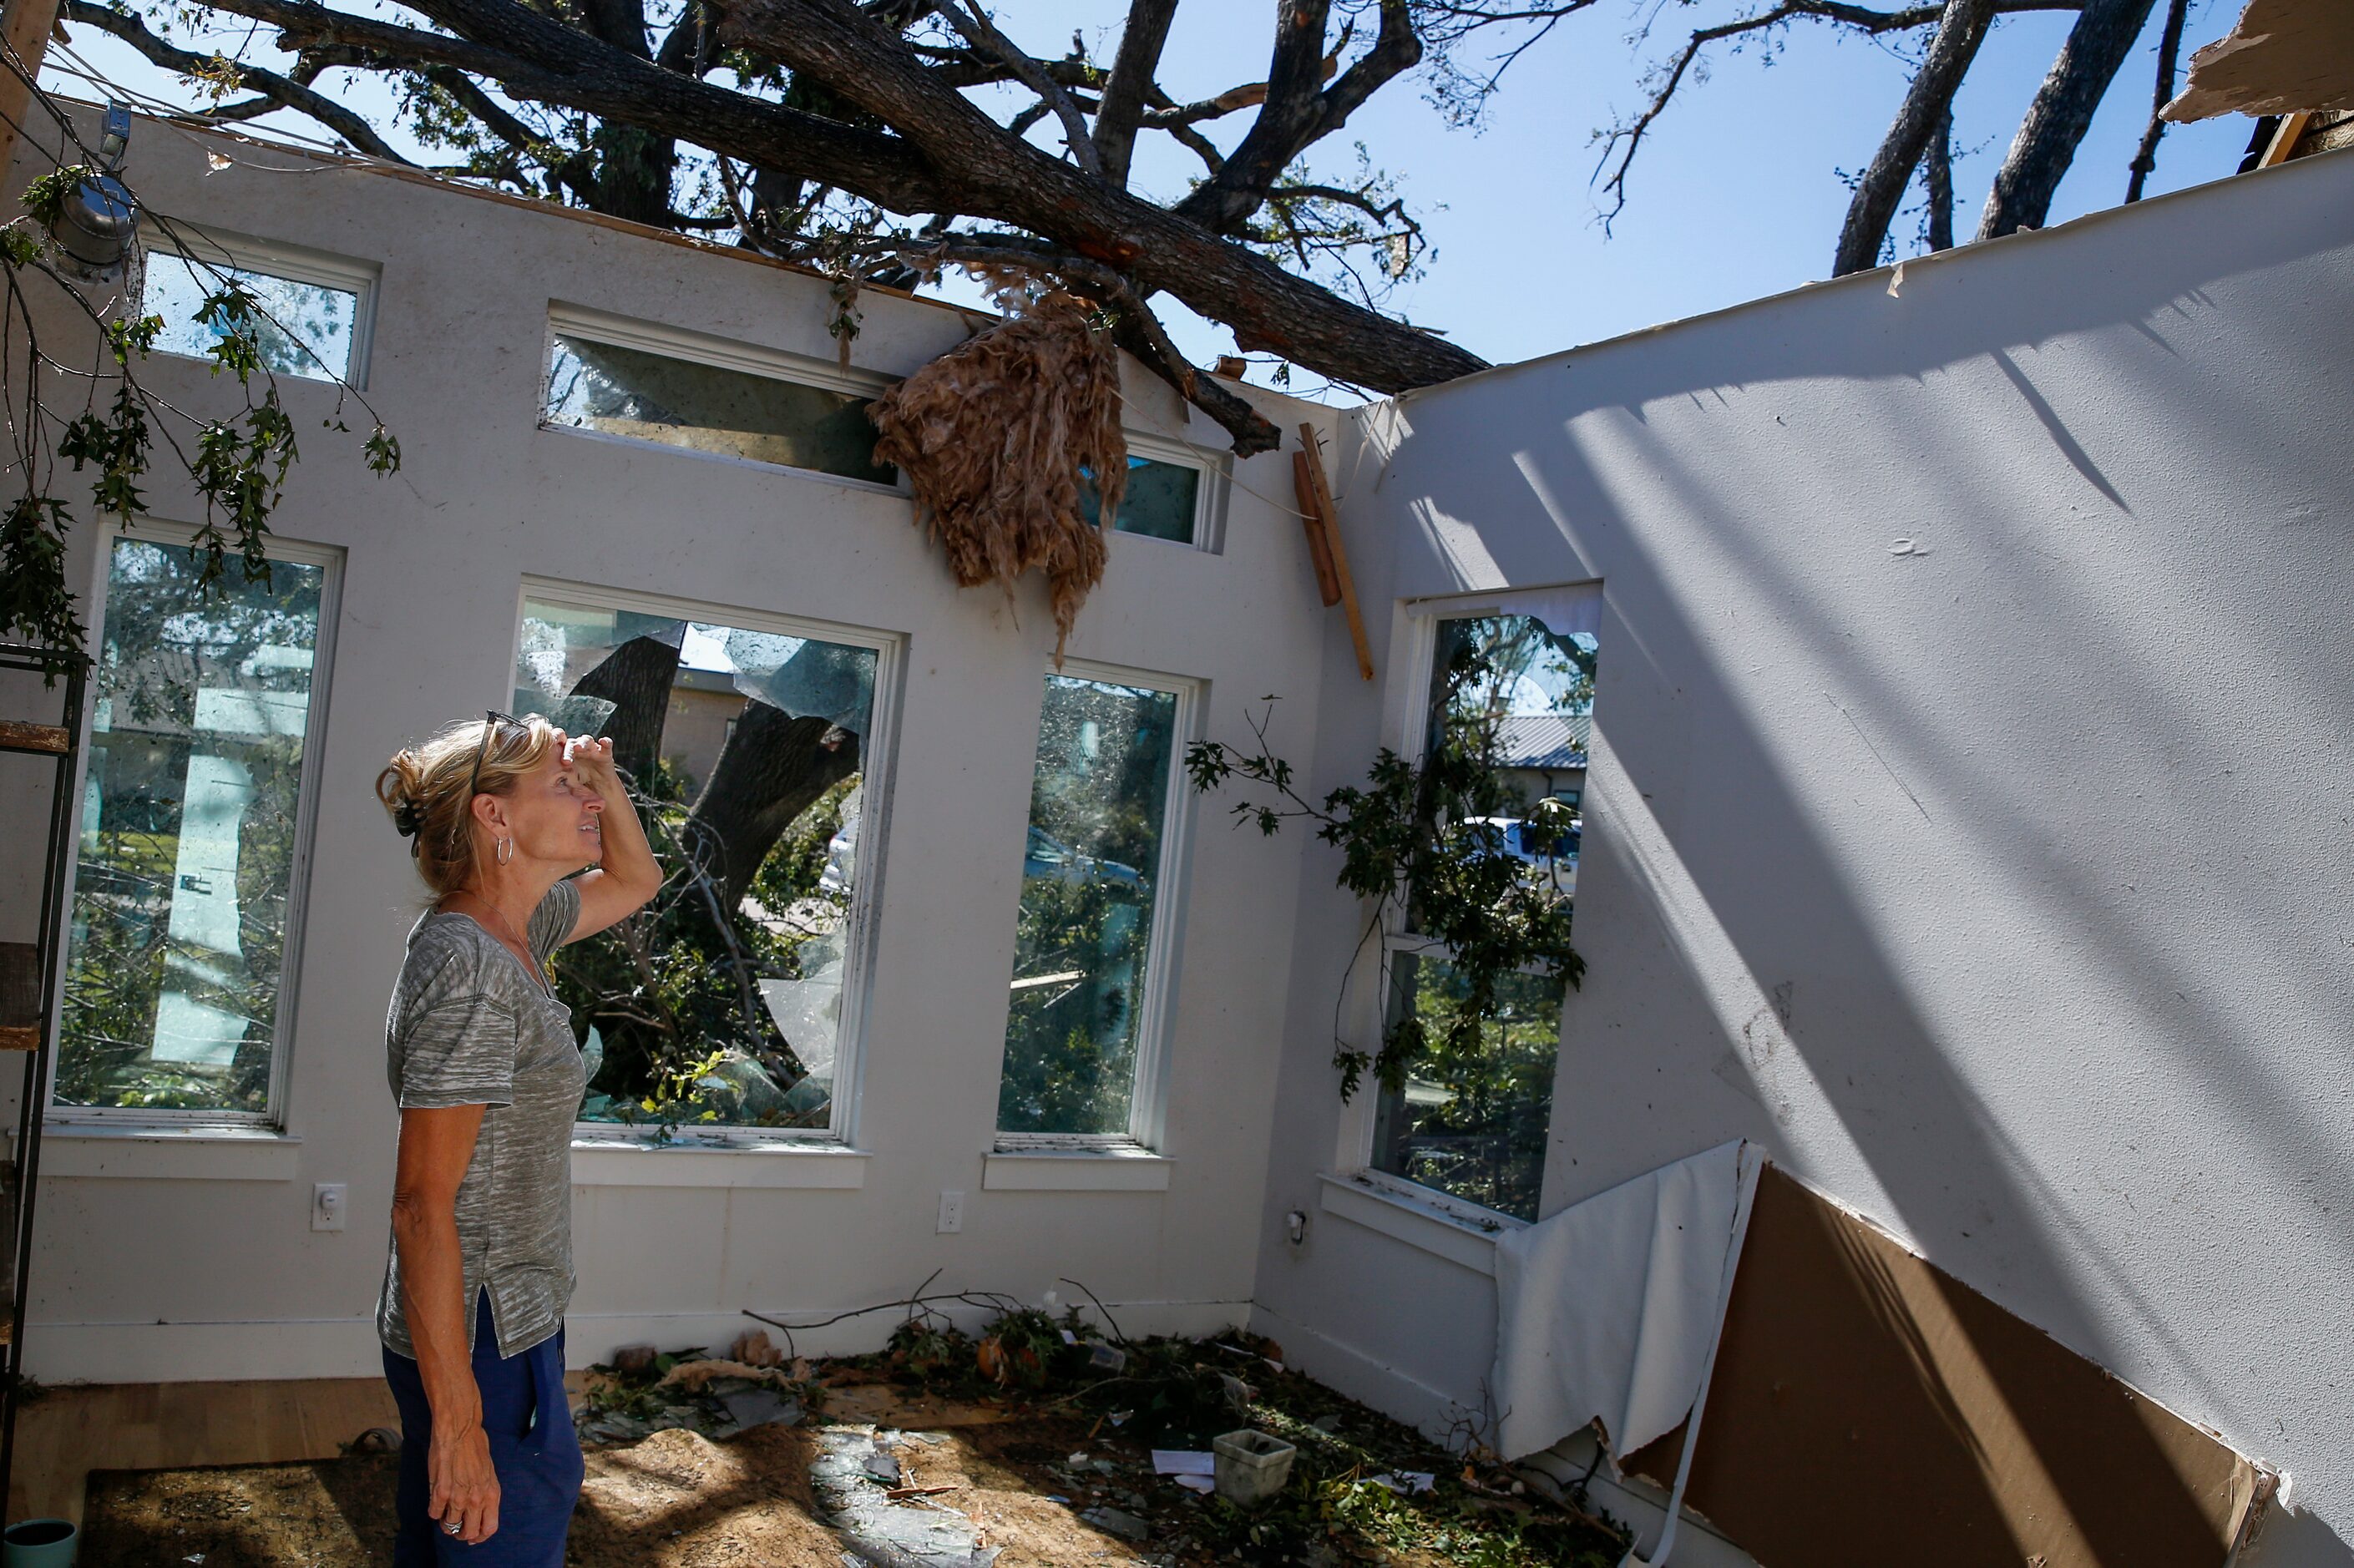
(61, 744)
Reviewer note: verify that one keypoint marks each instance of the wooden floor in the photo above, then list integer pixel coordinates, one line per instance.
(69, 1431)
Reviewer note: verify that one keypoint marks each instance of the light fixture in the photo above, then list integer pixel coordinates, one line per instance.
(98, 219)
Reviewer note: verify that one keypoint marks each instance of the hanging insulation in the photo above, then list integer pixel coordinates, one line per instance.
(992, 436)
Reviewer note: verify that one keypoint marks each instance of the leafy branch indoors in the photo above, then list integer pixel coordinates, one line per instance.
(1426, 843)
(882, 140)
(237, 463)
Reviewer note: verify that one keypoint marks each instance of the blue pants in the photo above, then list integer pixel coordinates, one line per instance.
(533, 1448)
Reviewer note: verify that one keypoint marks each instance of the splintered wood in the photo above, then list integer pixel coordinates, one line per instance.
(1325, 549)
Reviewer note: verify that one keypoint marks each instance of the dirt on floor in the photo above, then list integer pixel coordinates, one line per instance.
(1029, 1480)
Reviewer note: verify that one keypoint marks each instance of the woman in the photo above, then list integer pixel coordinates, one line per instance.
(488, 1079)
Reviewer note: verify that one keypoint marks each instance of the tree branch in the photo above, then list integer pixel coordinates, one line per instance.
(276, 92)
(1133, 68)
(982, 33)
(2060, 114)
(1628, 138)
(1960, 30)
(1297, 114)
(2170, 55)
(544, 60)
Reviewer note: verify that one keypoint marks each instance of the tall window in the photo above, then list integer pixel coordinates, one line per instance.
(1081, 1032)
(315, 308)
(1512, 701)
(192, 833)
(726, 1006)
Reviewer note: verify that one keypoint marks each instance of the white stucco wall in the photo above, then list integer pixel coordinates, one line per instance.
(2043, 828)
(182, 1264)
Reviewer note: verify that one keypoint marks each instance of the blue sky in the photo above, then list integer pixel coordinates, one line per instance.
(1736, 195)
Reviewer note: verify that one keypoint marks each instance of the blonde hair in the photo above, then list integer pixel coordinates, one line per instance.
(425, 789)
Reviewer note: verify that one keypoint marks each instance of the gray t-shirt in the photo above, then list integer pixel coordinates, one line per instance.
(470, 1026)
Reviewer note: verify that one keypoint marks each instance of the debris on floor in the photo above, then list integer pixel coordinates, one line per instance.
(918, 1458)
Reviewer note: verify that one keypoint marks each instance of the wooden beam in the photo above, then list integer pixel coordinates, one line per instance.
(1311, 523)
(1331, 516)
(26, 27)
(2285, 136)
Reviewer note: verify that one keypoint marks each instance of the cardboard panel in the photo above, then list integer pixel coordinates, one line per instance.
(1869, 1408)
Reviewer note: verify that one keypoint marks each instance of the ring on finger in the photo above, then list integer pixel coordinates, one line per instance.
(451, 1527)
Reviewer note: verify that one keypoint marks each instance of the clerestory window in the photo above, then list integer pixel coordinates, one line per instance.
(314, 311)
(634, 381)
(1094, 939)
(728, 1006)
(1510, 712)
(1175, 493)
(195, 830)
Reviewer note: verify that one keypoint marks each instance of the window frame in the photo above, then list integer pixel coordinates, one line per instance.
(714, 352)
(1407, 728)
(1209, 493)
(1156, 1014)
(296, 264)
(273, 1117)
(873, 852)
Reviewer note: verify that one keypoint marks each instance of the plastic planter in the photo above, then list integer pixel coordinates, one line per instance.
(1251, 1466)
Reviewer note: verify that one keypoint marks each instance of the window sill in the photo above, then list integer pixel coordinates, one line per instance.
(1075, 1171)
(1403, 1213)
(614, 1163)
(147, 1152)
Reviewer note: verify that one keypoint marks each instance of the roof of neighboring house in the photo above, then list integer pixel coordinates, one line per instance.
(1544, 740)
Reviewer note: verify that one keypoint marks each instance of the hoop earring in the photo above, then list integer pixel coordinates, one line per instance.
(507, 851)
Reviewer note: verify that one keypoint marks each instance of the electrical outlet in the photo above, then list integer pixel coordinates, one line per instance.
(327, 1207)
(952, 1213)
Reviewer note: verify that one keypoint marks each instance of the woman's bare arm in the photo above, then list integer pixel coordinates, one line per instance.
(436, 1147)
(629, 874)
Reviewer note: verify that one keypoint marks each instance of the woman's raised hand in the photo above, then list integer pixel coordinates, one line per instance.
(592, 761)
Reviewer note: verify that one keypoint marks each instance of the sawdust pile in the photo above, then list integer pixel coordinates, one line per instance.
(992, 436)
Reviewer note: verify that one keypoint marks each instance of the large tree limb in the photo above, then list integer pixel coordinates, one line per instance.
(1960, 30)
(532, 59)
(946, 157)
(2060, 114)
(276, 92)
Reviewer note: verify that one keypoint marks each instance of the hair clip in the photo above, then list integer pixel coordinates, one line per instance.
(408, 817)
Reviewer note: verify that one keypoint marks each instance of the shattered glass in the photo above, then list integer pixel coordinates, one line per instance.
(745, 748)
(617, 391)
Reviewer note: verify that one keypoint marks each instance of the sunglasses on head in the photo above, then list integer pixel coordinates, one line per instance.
(491, 717)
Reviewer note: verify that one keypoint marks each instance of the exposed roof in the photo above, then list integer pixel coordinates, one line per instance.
(1544, 741)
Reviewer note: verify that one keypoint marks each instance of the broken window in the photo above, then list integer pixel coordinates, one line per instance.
(192, 830)
(727, 1004)
(313, 309)
(1081, 1030)
(608, 378)
(1511, 705)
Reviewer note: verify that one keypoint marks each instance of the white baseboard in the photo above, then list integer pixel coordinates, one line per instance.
(223, 1352)
(201, 1352)
(1347, 1370)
